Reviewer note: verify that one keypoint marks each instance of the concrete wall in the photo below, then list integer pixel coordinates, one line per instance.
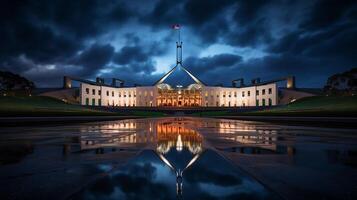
(146, 96)
(246, 96)
(211, 96)
(288, 95)
(107, 96)
(67, 95)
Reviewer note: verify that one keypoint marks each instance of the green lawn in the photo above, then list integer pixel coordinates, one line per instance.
(46, 106)
(309, 106)
(42, 106)
(316, 106)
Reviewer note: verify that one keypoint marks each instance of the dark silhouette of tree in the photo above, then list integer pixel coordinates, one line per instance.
(10, 82)
(343, 83)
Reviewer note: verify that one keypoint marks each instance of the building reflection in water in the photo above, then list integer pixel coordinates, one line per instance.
(250, 138)
(115, 134)
(166, 135)
(178, 133)
(174, 136)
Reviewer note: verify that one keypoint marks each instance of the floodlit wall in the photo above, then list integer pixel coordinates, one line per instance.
(146, 96)
(96, 95)
(259, 95)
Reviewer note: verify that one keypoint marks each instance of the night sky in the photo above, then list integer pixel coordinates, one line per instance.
(222, 40)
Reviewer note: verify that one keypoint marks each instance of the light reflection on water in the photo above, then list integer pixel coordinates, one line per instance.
(178, 157)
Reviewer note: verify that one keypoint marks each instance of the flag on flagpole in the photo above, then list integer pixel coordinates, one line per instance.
(176, 26)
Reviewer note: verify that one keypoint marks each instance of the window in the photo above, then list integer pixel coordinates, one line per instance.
(93, 102)
(257, 92)
(270, 91)
(99, 92)
(243, 94)
(270, 102)
(235, 94)
(108, 93)
(87, 90)
(263, 103)
(248, 93)
(257, 102)
(263, 92)
(100, 101)
(93, 91)
(112, 93)
(87, 101)
(119, 94)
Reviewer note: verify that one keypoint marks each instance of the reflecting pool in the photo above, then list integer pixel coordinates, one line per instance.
(177, 158)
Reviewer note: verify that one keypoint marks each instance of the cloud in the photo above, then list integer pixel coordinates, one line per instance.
(94, 58)
(199, 13)
(87, 37)
(130, 54)
(204, 64)
(326, 13)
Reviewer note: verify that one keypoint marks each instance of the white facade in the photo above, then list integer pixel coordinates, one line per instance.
(259, 95)
(146, 96)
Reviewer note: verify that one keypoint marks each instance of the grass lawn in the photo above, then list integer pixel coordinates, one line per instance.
(309, 106)
(46, 106)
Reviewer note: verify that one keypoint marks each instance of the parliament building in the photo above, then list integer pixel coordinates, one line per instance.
(161, 94)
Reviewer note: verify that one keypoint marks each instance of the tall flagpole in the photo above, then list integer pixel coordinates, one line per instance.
(178, 46)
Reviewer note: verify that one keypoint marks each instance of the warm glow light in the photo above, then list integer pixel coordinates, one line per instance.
(179, 144)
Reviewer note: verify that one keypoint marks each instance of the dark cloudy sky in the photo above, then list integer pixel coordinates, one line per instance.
(223, 39)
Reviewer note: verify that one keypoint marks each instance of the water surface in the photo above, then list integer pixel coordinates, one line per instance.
(177, 158)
